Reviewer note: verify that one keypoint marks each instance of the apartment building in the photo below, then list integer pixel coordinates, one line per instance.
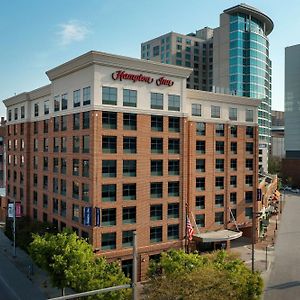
(114, 145)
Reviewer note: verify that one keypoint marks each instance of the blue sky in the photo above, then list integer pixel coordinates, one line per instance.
(39, 35)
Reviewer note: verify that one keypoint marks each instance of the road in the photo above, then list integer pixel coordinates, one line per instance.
(284, 280)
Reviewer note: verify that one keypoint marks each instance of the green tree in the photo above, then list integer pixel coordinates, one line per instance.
(215, 276)
(70, 262)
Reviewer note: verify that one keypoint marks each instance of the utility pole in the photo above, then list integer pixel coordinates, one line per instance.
(134, 272)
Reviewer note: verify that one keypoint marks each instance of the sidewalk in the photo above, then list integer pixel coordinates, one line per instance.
(23, 266)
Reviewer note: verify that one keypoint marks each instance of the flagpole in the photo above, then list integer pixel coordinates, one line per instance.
(186, 231)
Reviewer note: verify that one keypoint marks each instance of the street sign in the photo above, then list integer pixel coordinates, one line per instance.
(10, 210)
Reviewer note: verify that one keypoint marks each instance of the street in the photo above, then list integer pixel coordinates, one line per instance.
(284, 280)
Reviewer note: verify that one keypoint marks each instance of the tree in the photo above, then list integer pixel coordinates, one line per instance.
(70, 262)
(215, 276)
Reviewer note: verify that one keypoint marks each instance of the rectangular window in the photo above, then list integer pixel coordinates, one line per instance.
(129, 144)
(156, 168)
(108, 241)
(200, 183)
(129, 191)
(56, 144)
(55, 164)
(109, 144)
(76, 144)
(109, 168)
(219, 218)
(76, 121)
(86, 95)
(220, 147)
(249, 197)
(129, 215)
(45, 163)
(75, 212)
(173, 232)
(196, 109)
(200, 147)
(219, 200)
(219, 183)
(156, 189)
(46, 125)
(63, 143)
(109, 217)
(85, 192)
(129, 98)
(233, 164)
(174, 124)
(248, 212)
(129, 168)
(86, 120)
(55, 206)
(64, 101)
(155, 234)
(215, 111)
(36, 111)
(249, 164)
(45, 200)
(233, 113)
(22, 112)
(109, 193)
(249, 148)
(173, 210)
(173, 189)
(200, 128)
(129, 121)
(249, 180)
(156, 212)
(63, 208)
(86, 144)
(63, 187)
(76, 98)
(109, 95)
(56, 124)
(249, 132)
(109, 120)
(157, 101)
(233, 181)
(233, 131)
(127, 238)
(75, 190)
(200, 220)
(55, 185)
(56, 103)
(233, 198)
(233, 147)
(249, 115)
(200, 202)
(174, 167)
(46, 107)
(63, 123)
(174, 102)
(63, 166)
(156, 145)
(220, 130)
(85, 168)
(157, 123)
(174, 146)
(220, 165)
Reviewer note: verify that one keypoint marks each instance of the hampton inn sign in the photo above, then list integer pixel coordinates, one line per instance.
(122, 75)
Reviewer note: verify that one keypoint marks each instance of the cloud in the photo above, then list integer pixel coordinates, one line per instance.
(72, 31)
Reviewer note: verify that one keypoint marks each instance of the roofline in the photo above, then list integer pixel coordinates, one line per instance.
(253, 11)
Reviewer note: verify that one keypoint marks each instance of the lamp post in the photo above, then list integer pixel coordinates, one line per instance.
(254, 216)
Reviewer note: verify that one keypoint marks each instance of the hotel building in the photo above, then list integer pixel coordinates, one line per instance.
(116, 144)
(232, 59)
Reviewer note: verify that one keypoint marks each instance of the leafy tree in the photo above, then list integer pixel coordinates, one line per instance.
(70, 262)
(214, 276)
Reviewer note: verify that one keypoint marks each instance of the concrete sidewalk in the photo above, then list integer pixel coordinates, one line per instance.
(21, 274)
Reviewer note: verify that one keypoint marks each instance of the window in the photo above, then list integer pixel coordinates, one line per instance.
(196, 109)
(220, 147)
(200, 220)
(9, 115)
(56, 103)
(233, 181)
(109, 192)
(63, 208)
(249, 197)
(75, 190)
(155, 234)
(249, 132)
(63, 166)
(85, 192)
(56, 144)
(200, 202)
(249, 148)
(200, 183)
(109, 120)
(109, 95)
(109, 144)
(76, 144)
(55, 205)
(174, 146)
(129, 144)
(233, 164)
(156, 212)
(45, 200)
(174, 102)
(156, 189)
(233, 198)
(200, 147)
(76, 98)
(86, 120)
(249, 115)
(109, 217)
(156, 145)
(233, 131)
(75, 212)
(249, 164)
(129, 215)
(232, 113)
(85, 168)
(233, 147)
(127, 238)
(35, 145)
(63, 187)
(55, 185)
(129, 121)
(215, 111)
(157, 101)
(173, 232)
(64, 101)
(219, 165)
(173, 210)
(173, 189)
(109, 168)
(219, 218)
(63, 143)
(22, 112)
(56, 124)
(129, 191)
(174, 124)
(76, 121)
(46, 125)
(155, 50)
(45, 163)
(249, 180)
(86, 95)
(36, 111)
(55, 164)
(108, 241)
(219, 200)
(157, 123)
(63, 123)
(219, 182)
(200, 165)
(129, 98)
(220, 131)
(129, 168)
(156, 168)
(248, 212)
(173, 167)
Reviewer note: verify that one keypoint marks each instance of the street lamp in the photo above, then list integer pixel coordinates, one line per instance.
(254, 216)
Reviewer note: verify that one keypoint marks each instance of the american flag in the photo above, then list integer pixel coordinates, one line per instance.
(189, 229)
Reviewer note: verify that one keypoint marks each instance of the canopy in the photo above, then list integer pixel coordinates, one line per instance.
(217, 236)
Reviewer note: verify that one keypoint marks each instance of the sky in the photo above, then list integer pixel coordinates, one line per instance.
(37, 36)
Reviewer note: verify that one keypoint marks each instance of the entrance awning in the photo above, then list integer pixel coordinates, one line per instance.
(217, 236)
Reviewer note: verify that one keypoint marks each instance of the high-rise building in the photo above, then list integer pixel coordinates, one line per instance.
(232, 59)
(114, 145)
